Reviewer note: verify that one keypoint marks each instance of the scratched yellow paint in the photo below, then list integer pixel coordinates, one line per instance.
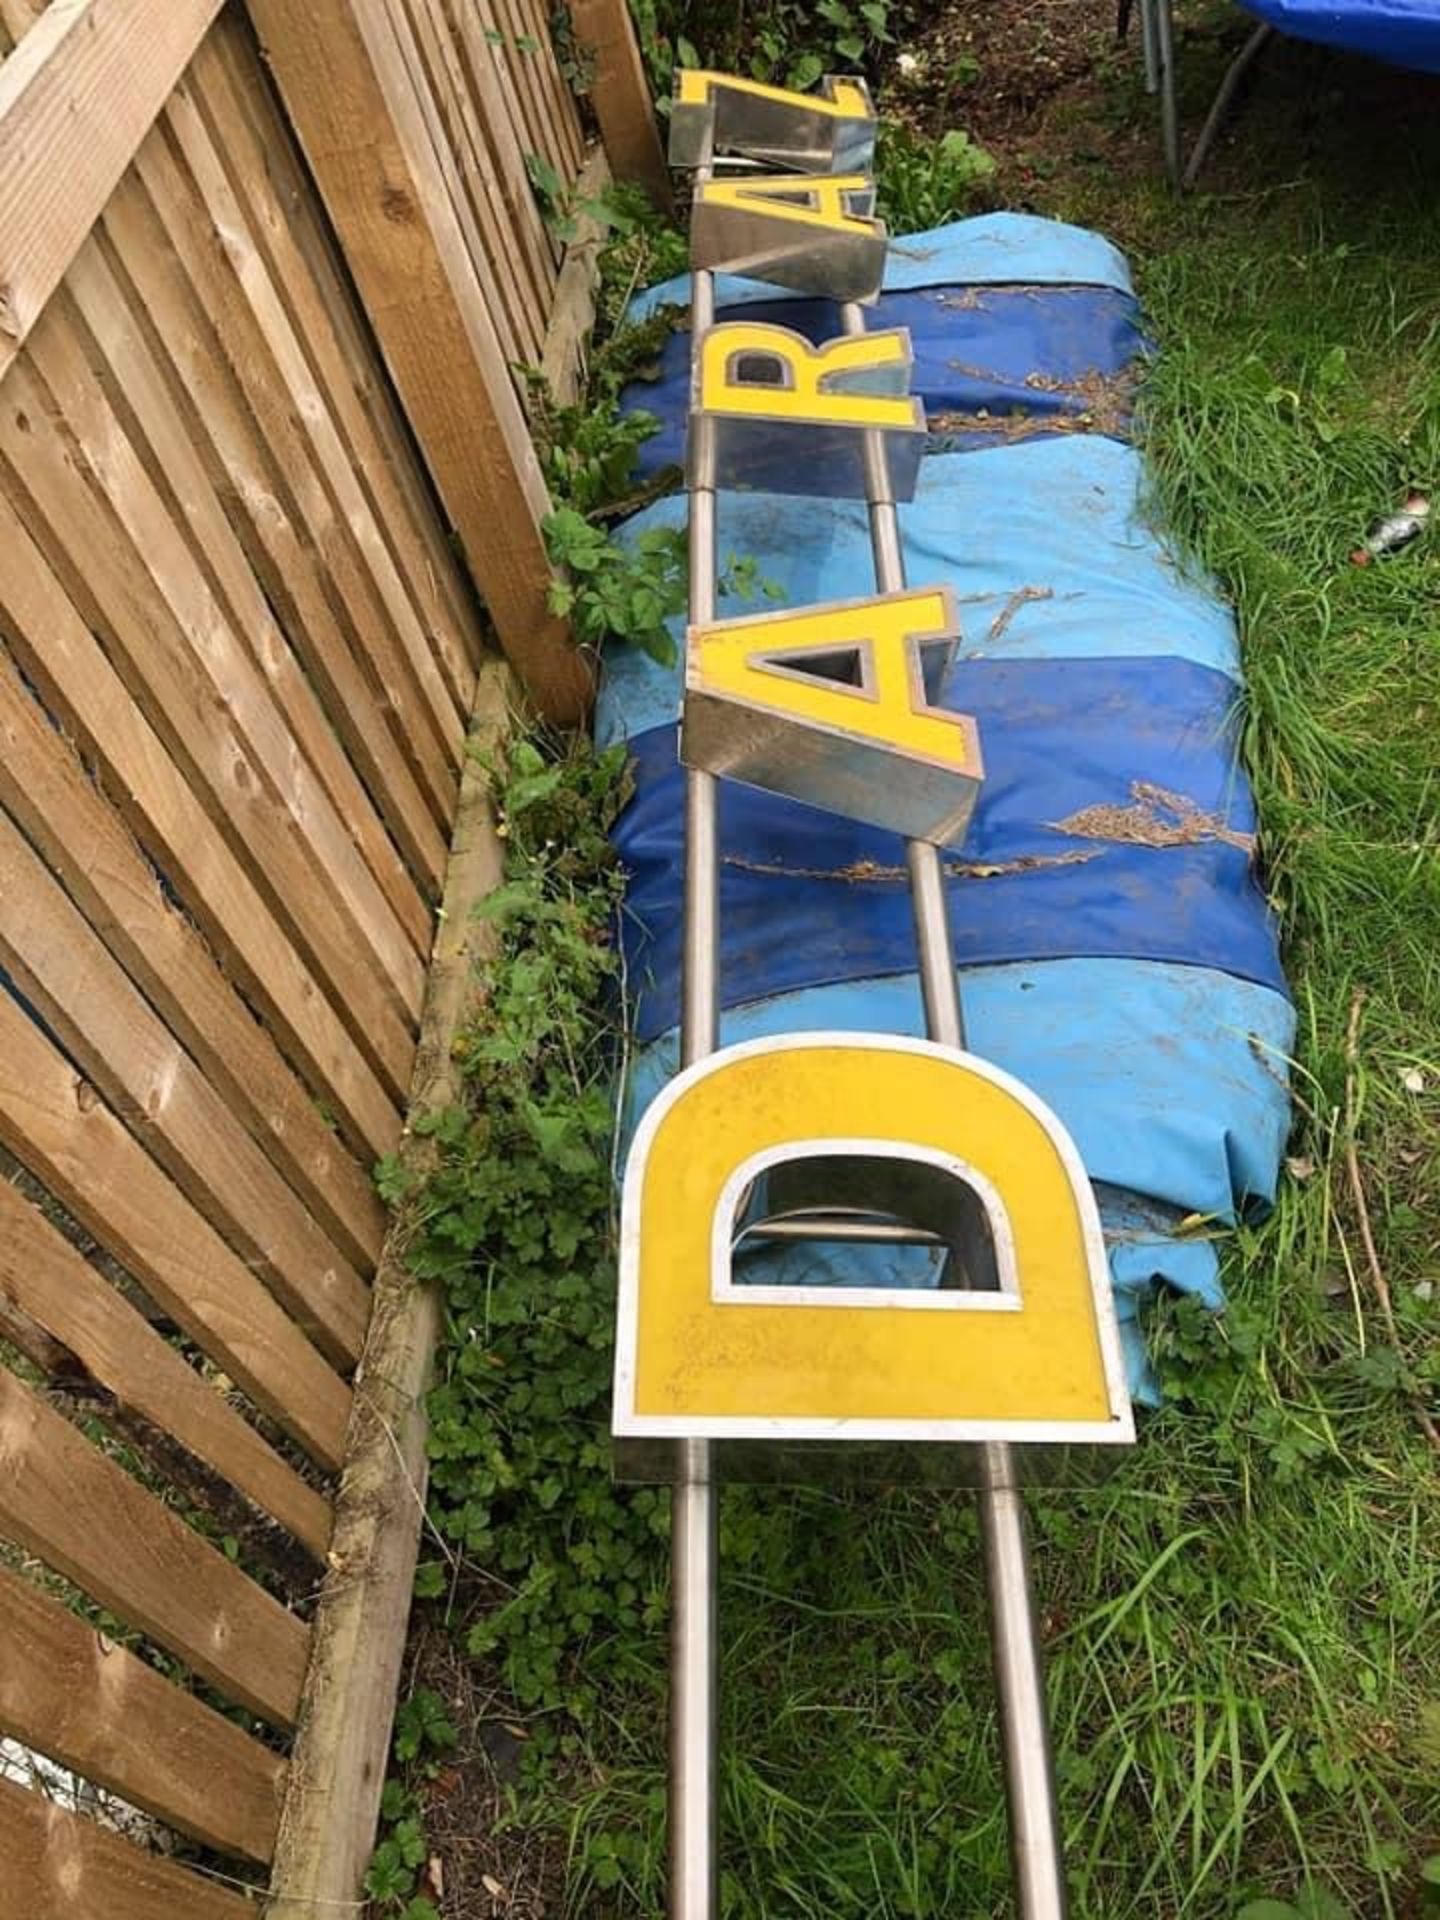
(699, 1358)
(819, 201)
(737, 659)
(847, 101)
(820, 382)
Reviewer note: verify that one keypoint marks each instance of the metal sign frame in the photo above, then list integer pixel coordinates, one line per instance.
(718, 120)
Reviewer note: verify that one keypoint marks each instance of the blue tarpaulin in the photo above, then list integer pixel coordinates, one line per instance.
(1406, 33)
(1115, 948)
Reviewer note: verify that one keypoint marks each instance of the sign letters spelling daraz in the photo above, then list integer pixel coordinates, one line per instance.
(829, 705)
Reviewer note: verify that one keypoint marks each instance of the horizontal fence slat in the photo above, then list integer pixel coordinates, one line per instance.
(380, 886)
(68, 1692)
(507, 156)
(93, 507)
(564, 142)
(47, 1279)
(457, 137)
(56, 1125)
(76, 98)
(524, 93)
(235, 96)
(192, 141)
(60, 654)
(56, 1865)
(65, 1502)
(414, 33)
(246, 432)
(81, 836)
(65, 970)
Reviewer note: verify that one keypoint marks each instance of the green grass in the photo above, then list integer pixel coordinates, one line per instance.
(1244, 1656)
(1243, 1648)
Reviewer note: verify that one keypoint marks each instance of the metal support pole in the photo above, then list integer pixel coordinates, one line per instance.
(695, 1501)
(1147, 45)
(1169, 103)
(1229, 87)
(1034, 1817)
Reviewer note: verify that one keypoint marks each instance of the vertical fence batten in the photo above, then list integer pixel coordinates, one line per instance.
(343, 77)
(620, 95)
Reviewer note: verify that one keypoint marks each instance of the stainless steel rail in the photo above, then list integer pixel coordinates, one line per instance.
(1034, 1817)
(695, 1500)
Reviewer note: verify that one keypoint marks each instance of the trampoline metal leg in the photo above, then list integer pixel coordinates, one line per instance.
(1147, 44)
(1164, 36)
(1229, 86)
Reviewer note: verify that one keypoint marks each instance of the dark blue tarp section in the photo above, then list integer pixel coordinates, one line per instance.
(1406, 33)
(1053, 358)
(1113, 823)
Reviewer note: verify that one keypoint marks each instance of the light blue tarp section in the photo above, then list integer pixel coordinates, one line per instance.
(1168, 1078)
(1044, 544)
(1406, 33)
(997, 249)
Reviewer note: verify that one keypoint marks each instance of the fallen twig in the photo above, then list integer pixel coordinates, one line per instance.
(1362, 1210)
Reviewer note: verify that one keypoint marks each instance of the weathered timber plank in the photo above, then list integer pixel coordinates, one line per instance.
(108, 1028)
(245, 430)
(82, 489)
(76, 98)
(58, 651)
(56, 1865)
(573, 318)
(506, 152)
(64, 1501)
(172, 450)
(620, 95)
(327, 1825)
(205, 169)
(456, 130)
(565, 142)
(72, 1694)
(236, 94)
(345, 84)
(56, 1125)
(81, 836)
(44, 1276)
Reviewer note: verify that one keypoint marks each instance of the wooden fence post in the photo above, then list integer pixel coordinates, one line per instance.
(620, 95)
(337, 1770)
(351, 96)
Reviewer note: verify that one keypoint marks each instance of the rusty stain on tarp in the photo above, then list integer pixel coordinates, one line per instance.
(1106, 402)
(860, 872)
(1156, 817)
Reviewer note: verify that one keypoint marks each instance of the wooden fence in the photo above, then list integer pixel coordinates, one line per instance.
(239, 665)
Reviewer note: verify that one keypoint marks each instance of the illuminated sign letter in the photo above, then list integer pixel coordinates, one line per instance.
(832, 131)
(787, 415)
(1031, 1354)
(815, 235)
(829, 705)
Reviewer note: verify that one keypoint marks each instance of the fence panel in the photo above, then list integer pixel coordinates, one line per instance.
(241, 670)
(238, 660)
